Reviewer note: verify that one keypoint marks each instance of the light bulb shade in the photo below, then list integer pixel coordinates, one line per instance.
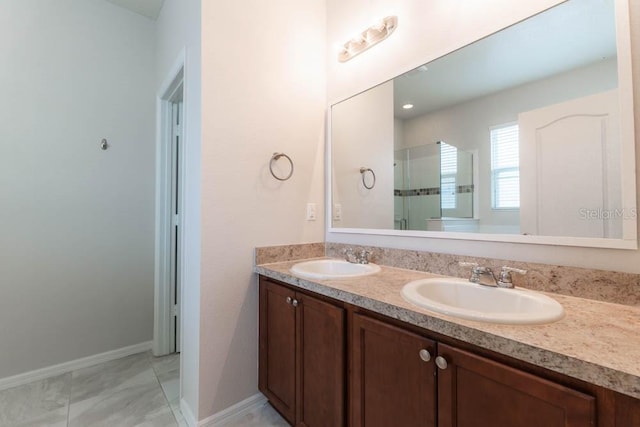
(368, 38)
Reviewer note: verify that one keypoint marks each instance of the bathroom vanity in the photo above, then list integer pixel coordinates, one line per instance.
(353, 352)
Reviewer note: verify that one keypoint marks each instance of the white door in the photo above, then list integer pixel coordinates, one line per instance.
(169, 211)
(176, 199)
(570, 175)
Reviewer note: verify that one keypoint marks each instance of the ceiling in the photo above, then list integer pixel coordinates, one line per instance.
(149, 8)
(569, 36)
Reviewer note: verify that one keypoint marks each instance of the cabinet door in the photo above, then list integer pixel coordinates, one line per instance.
(321, 361)
(478, 392)
(627, 411)
(391, 384)
(277, 373)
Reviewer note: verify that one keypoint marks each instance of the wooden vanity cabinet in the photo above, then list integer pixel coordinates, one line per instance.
(399, 377)
(277, 336)
(302, 356)
(477, 392)
(392, 376)
(402, 375)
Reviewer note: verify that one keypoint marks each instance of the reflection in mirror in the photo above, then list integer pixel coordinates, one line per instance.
(433, 188)
(518, 133)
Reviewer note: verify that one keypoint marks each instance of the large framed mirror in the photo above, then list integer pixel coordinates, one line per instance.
(524, 136)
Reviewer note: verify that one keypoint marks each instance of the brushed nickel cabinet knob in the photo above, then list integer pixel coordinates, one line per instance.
(441, 362)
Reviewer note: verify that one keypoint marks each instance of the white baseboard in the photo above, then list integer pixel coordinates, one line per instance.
(234, 412)
(63, 368)
(187, 414)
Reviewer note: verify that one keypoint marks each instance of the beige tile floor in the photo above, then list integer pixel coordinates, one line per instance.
(138, 390)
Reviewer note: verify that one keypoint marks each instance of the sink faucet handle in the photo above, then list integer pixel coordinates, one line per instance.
(506, 269)
(349, 255)
(475, 270)
(505, 280)
(365, 256)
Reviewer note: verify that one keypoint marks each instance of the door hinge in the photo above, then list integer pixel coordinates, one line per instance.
(175, 220)
(174, 310)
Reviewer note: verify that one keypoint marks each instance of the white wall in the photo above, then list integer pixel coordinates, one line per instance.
(263, 90)
(76, 247)
(362, 134)
(426, 30)
(178, 33)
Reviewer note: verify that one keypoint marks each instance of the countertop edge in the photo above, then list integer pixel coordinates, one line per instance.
(616, 380)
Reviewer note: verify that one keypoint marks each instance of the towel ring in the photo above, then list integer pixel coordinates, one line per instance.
(363, 170)
(274, 158)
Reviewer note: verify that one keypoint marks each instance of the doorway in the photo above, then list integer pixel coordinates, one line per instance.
(169, 209)
(175, 213)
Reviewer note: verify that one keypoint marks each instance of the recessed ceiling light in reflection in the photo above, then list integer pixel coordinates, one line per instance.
(407, 106)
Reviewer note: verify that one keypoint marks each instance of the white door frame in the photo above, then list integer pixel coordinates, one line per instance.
(164, 220)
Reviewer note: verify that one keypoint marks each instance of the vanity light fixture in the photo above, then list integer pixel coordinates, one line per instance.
(407, 106)
(368, 38)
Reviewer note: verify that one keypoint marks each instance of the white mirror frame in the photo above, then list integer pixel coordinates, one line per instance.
(629, 238)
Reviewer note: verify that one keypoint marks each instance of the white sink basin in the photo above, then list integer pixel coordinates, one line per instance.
(461, 298)
(332, 269)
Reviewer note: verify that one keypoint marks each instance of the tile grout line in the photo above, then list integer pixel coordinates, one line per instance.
(164, 393)
(166, 399)
(69, 399)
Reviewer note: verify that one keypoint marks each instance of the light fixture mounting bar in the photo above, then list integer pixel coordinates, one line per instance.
(368, 38)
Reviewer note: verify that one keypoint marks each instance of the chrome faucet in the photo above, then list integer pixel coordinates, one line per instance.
(481, 275)
(484, 275)
(361, 257)
(505, 279)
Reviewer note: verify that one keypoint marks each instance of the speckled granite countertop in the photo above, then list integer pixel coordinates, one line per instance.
(596, 342)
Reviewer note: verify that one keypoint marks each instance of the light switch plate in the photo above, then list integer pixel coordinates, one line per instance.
(311, 211)
(337, 212)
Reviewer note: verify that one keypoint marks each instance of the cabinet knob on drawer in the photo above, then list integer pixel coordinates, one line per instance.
(441, 362)
(289, 300)
(295, 302)
(425, 355)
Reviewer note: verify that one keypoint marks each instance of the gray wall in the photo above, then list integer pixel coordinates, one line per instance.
(76, 247)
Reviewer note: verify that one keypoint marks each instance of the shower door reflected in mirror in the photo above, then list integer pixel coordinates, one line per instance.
(433, 188)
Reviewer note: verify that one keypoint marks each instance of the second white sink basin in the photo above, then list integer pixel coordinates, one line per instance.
(332, 269)
(461, 298)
